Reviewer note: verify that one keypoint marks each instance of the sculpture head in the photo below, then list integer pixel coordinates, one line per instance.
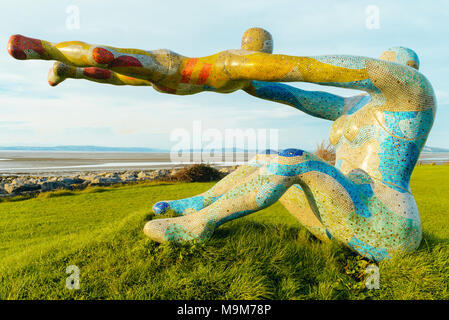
(401, 55)
(257, 39)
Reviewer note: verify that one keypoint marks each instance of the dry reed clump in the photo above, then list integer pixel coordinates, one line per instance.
(196, 173)
(326, 151)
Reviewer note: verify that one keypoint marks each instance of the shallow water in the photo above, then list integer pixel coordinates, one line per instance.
(38, 162)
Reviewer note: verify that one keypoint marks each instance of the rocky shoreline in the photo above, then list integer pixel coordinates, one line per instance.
(29, 184)
(15, 185)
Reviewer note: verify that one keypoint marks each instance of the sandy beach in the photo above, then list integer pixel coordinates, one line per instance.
(69, 163)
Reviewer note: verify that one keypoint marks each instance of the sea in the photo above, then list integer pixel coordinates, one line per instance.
(69, 163)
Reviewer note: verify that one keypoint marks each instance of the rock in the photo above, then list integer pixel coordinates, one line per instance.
(104, 181)
(92, 178)
(126, 178)
(110, 175)
(53, 185)
(129, 176)
(153, 174)
(72, 180)
(18, 187)
(161, 173)
(142, 175)
(19, 181)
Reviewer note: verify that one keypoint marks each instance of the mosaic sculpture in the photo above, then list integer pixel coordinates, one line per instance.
(364, 201)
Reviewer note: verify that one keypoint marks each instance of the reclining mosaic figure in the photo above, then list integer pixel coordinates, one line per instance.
(364, 201)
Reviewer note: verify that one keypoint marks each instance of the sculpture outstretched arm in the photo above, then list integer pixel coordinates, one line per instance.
(315, 103)
(374, 76)
(61, 71)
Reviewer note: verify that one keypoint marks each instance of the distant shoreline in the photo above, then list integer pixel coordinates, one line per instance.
(61, 163)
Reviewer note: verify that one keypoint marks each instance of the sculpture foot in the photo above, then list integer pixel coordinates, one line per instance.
(161, 207)
(180, 207)
(57, 73)
(179, 229)
(23, 48)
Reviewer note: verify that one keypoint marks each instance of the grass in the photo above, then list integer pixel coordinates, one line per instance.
(266, 255)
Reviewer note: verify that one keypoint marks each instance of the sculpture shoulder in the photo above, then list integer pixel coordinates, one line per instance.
(401, 86)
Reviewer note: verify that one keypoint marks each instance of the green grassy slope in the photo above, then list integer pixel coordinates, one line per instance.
(265, 255)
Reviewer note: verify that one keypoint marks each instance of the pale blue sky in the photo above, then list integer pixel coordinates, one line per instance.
(79, 112)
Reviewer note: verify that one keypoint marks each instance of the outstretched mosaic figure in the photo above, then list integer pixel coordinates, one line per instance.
(364, 201)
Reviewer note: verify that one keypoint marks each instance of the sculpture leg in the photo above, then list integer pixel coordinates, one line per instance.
(61, 71)
(131, 62)
(193, 204)
(301, 206)
(301, 203)
(290, 167)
